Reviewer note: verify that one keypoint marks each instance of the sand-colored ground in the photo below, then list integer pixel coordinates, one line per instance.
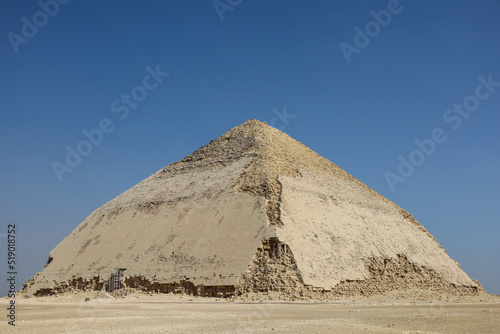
(185, 314)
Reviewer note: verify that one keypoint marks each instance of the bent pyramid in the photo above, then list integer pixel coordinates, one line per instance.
(252, 211)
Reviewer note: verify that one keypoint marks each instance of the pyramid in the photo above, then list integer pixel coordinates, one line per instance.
(252, 211)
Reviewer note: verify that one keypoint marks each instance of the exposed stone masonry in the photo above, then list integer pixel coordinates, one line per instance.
(274, 268)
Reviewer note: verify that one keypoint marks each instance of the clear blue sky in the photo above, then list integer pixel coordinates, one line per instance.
(263, 55)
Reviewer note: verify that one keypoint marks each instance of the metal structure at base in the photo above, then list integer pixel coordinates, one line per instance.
(115, 280)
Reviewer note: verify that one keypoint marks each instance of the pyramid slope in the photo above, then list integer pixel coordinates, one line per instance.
(166, 229)
(343, 226)
(254, 210)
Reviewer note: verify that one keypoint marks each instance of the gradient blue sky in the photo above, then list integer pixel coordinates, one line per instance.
(360, 115)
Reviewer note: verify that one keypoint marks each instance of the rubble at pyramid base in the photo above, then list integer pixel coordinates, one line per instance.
(273, 269)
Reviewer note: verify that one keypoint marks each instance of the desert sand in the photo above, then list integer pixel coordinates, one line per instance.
(160, 313)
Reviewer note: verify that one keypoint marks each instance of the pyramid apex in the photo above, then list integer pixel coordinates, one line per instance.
(253, 123)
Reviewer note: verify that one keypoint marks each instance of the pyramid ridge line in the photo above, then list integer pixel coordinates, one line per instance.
(261, 142)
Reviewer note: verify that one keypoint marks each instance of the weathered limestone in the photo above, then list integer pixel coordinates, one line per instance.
(252, 211)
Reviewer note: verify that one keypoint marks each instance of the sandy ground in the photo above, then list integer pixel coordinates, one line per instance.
(186, 314)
